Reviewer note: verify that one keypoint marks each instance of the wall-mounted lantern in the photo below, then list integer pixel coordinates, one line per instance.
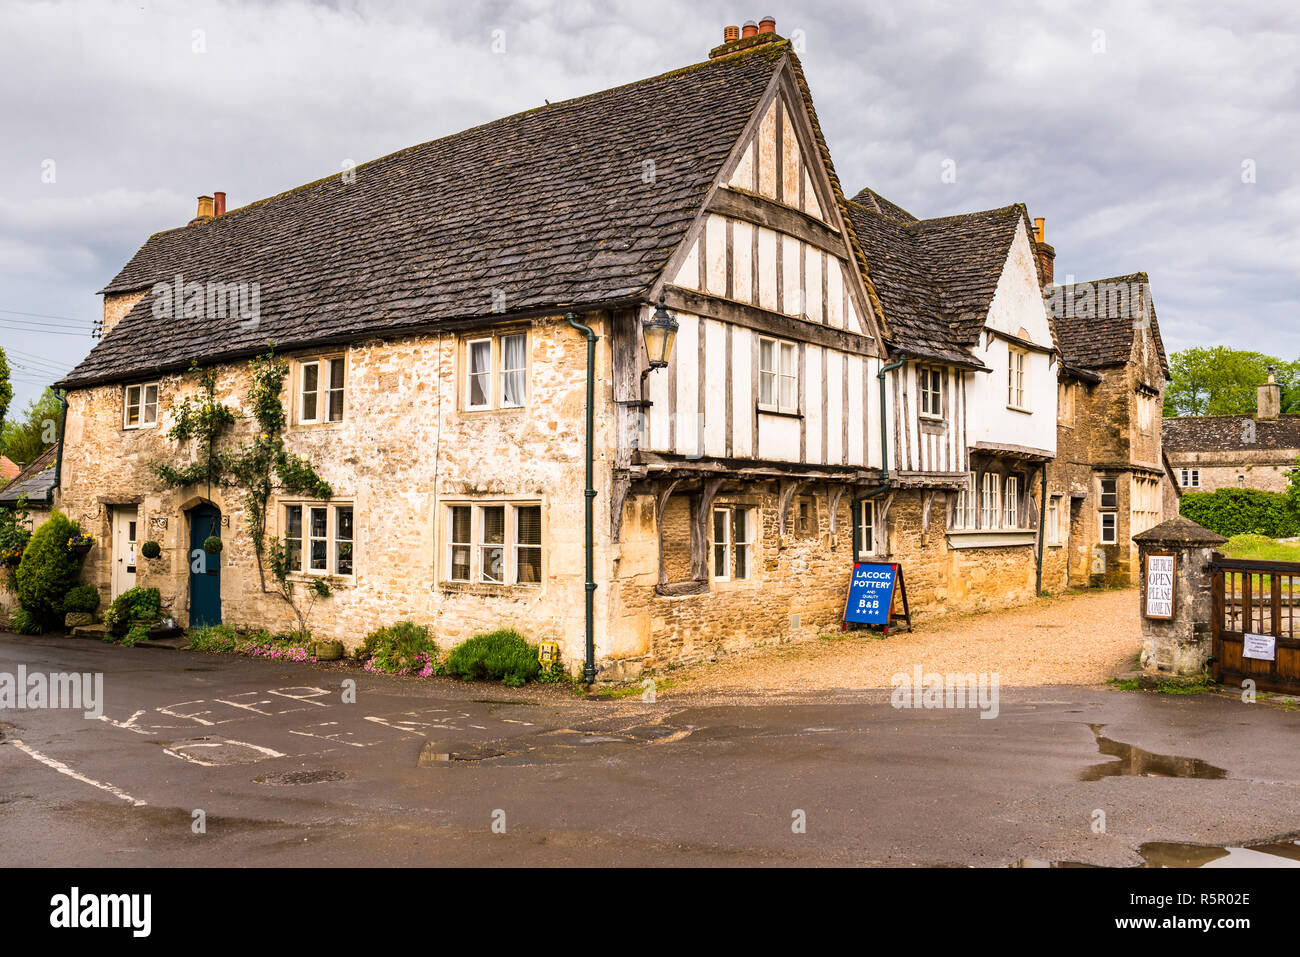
(659, 333)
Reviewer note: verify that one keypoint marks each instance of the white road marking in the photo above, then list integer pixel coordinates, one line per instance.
(64, 769)
(129, 723)
(179, 751)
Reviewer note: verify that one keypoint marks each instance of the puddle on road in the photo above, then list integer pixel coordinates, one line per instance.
(1168, 854)
(1128, 760)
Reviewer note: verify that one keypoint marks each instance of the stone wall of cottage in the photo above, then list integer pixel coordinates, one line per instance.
(404, 448)
(799, 583)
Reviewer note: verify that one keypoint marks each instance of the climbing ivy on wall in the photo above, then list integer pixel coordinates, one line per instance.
(258, 469)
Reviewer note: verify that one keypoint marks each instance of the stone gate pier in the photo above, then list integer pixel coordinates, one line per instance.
(1176, 599)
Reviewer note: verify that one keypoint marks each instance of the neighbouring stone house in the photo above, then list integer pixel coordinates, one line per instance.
(1236, 451)
(846, 382)
(34, 489)
(1110, 480)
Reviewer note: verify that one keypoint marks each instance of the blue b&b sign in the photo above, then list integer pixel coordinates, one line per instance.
(871, 593)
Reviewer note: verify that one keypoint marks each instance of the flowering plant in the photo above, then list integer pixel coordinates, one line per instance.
(80, 540)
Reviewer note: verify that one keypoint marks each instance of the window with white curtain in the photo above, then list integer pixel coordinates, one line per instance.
(496, 371)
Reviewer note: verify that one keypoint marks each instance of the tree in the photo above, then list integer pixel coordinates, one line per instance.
(1219, 380)
(6, 387)
(25, 438)
(259, 468)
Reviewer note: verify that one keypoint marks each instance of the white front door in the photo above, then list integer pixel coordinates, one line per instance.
(125, 521)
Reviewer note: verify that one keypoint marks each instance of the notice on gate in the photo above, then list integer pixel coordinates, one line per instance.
(1159, 573)
(871, 593)
(1260, 647)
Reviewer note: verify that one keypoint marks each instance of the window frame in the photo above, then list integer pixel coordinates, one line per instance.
(478, 547)
(1052, 533)
(734, 546)
(1018, 379)
(965, 511)
(324, 365)
(330, 538)
(141, 403)
(1114, 528)
(496, 371)
(990, 511)
(779, 376)
(929, 388)
(1011, 502)
(868, 520)
(1102, 493)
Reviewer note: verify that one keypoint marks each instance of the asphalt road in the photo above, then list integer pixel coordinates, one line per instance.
(286, 773)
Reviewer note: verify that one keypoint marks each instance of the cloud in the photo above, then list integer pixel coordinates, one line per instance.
(1125, 124)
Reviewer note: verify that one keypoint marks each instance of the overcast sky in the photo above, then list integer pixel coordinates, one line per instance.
(1135, 128)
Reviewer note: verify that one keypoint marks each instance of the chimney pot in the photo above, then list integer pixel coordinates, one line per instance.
(730, 33)
(749, 29)
(767, 25)
(1039, 231)
(205, 210)
(218, 204)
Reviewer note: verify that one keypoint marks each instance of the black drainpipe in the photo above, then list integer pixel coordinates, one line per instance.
(885, 484)
(589, 671)
(58, 455)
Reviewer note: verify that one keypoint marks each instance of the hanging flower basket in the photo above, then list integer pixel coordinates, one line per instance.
(80, 544)
(150, 549)
(12, 557)
(212, 545)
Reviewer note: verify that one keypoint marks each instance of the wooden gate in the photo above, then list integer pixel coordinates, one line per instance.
(1256, 598)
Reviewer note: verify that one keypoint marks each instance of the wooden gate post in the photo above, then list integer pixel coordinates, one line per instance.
(1176, 599)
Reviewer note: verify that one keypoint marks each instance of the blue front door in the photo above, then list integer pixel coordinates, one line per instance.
(205, 569)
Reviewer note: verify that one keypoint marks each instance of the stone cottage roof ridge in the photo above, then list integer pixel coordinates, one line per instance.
(546, 208)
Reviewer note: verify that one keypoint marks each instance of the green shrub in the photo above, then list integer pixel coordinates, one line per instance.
(220, 639)
(502, 655)
(1242, 511)
(150, 549)
(401, 649)
(212, 545)
(81, 598)
(134, 604)
(48, 571)
(23, 622)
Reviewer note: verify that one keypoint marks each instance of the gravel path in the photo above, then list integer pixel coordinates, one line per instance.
(1076, 639)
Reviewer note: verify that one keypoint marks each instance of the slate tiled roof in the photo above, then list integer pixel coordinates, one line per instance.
(968, 253)
(1231, 433)
(550, 208)
(935, 277)
(1095, 329)
(35, 482)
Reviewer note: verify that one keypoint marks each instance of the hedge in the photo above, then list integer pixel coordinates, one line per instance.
(1242, 511)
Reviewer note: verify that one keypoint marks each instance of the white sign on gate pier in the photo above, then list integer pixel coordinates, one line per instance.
(1261, 647)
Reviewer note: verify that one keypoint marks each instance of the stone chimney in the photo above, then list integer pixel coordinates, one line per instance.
(205, 210)
(1046, 254)
(750, 35)
(1268, 405)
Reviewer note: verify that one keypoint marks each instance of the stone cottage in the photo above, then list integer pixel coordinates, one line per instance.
(1110, 480)
(1236, 451)
(783, 381)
